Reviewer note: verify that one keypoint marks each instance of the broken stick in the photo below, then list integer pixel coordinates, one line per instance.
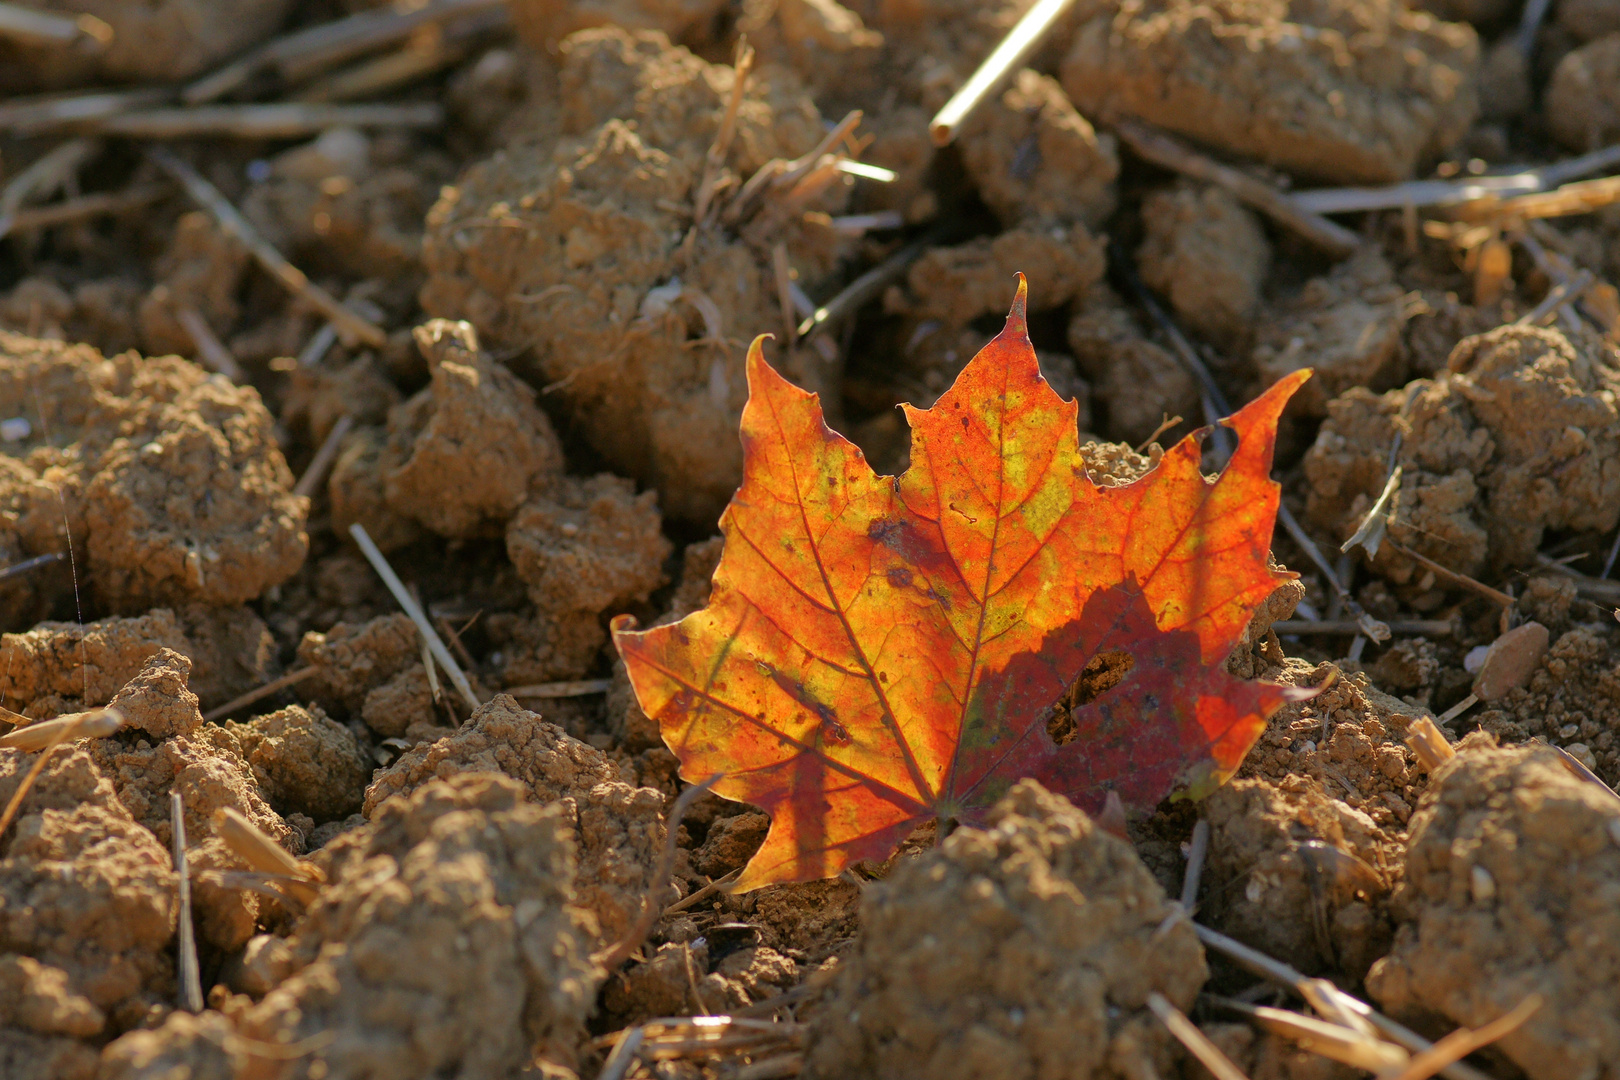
(1161, 149)
(1020, 41)
(349, 325)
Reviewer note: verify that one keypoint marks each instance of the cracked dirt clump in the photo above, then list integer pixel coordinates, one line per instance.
(619, 827)
(1034, 158)
(87, 891)
(1299, 875)
(955, 285)
(1583, 98)
(463, 454)
(305, 762)
(200, 1047)
(64, 664)
(572, 247)
(445, 943)
(355, 659)
(169, 478)
(1571, 700)
(589, 545)
(1347, 326)
(1027, 947)
(1511, 878)
(1135, 383)
(1520, 435)
(1349, 93)
(1208, 254)
(545, 23)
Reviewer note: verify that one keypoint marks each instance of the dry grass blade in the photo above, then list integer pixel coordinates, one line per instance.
(284, 120)
(435, 644)
(350, 325)
(623, 1055)
(295, 879)
(1020, 41)
(44, 734)
(715, 161)
(191, 997)
(45, 737)
(1161, 149)
(1462, 1042)
(610, 958)
(1429, 743)
(429, 49)
(1582, 197)
(1197, 1043)
(1565, 292)
(1348, 1045)
(259, 693)
(1281, 974)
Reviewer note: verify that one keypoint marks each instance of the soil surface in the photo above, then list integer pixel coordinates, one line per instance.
(390, 875)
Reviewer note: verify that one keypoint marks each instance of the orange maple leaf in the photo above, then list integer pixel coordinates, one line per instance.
(880, 650)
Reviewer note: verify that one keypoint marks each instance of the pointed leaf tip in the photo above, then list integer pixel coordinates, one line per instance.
(1017, 321)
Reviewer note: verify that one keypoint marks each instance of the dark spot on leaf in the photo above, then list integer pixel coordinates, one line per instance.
(899, 577)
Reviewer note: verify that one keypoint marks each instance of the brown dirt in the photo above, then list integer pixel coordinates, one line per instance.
(1583, 104)
(447, 942)
(1024, 948)
(169, 480)
(1347, 93)
(1516, 438)
(560, 457)
(1508, 879)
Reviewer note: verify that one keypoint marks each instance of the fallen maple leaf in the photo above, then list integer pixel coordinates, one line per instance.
(880, 650)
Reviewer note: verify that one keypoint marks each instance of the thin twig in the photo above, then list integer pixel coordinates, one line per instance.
(29, 565)
(303, 54)
(102, 204)
(1020, 41)
(864, 288)
(413, 609)
(280, 120)
(1524, 39)
(1463, 580)
(1196, 854)
(43, 178)
(715, 161)
(1416, 627)
(259, 694)
(1162, 149)
(1424, 193)
(48, 112)
(191, 998)
(702, 894)
(321, 463)
(571, 688)
(1197, 1043)
(212, 353)
(1565, 292)
(231, 220)
(610, 959)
